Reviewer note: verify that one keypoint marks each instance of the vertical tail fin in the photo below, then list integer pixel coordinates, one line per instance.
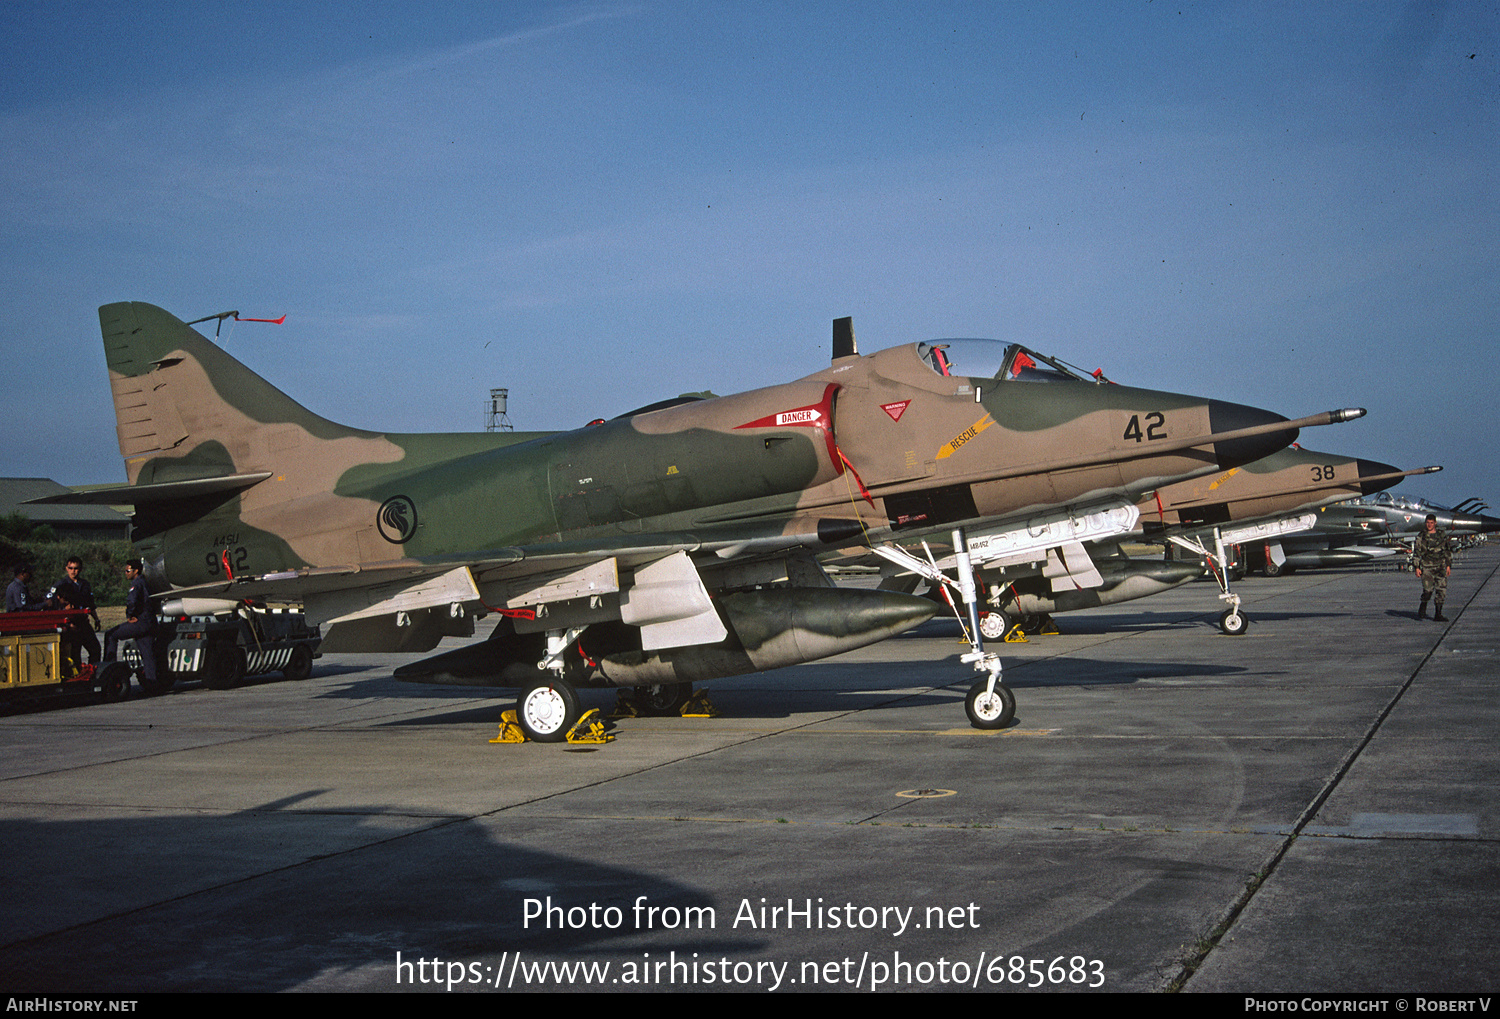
(185, 409)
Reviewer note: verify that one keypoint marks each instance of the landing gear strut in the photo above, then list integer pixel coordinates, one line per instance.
(990, 703)
(1233, 621)
(548, 706)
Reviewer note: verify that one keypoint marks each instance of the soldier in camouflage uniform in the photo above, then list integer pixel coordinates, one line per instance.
(1434, 555)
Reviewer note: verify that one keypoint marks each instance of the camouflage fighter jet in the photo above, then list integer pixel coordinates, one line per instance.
(666, 546)
(1257, 504)
(1361, 531)
(1057, 565)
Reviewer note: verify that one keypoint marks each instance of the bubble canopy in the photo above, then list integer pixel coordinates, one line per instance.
(1004, 362)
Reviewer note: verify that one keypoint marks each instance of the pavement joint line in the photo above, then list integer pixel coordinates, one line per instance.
(954, 825)
(1232, 913)
(1399, 836)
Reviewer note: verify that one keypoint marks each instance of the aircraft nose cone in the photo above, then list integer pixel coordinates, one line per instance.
(1374, 469)
(1473, 522)
(1231, 417)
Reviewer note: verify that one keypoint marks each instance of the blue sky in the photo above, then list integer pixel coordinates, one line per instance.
(601, 205)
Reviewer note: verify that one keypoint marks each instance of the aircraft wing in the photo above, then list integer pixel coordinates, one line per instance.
(409, 604)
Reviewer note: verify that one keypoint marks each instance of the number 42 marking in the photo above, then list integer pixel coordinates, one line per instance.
(1155, 423)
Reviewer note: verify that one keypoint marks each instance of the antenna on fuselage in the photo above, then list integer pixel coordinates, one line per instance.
(843, 338)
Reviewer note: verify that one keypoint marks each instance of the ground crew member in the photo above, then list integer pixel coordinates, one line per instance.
(18, 597)
(1433, 552)
(73, 592)
(139, 622)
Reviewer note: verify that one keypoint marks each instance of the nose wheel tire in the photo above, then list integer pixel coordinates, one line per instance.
(547, 709)
(1234, 622)
(990, 710)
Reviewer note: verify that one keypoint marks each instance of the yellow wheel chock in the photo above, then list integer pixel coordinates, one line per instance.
(588, 729)
(510, 731)
(699, 706)
(624, 704)
(1016, 635)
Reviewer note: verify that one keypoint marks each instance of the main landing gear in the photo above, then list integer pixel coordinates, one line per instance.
(547, 708)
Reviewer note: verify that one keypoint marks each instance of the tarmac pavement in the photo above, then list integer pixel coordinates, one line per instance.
(1311, 807)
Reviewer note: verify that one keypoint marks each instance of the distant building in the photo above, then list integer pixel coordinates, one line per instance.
(86, 523)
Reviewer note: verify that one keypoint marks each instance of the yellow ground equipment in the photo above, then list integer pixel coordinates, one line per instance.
(38, 660)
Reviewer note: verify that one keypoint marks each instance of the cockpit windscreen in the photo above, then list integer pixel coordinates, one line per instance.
(991, 359)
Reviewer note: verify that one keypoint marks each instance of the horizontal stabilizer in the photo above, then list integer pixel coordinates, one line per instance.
(166, 491)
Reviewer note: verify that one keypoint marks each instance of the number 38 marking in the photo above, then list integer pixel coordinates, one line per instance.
(1155, 425)
(1323, 473)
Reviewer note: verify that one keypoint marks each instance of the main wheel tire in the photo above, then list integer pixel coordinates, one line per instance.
(993, 625)
(114, 682)
(547, 709)
(299, 666)
(1234, 622)
(1274, 569)
(226, 668)
(662, 699)
(990, 710)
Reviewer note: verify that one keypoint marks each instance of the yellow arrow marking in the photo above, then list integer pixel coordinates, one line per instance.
(958, 440)
(1223, 478)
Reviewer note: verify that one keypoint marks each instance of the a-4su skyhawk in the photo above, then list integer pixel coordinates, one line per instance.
(666, 546)
(1057, 563)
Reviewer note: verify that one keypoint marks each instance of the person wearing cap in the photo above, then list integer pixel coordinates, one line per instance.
(18, 597)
